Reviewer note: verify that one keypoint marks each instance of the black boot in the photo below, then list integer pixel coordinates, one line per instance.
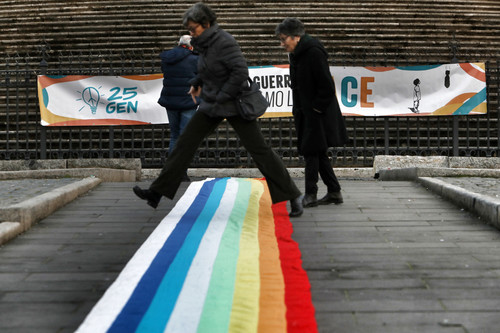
(309, 200)
(331, 197)
(297, 208)
(153, 198)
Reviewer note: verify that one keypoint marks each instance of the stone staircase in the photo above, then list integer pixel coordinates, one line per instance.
(377, 31)
(123, 36)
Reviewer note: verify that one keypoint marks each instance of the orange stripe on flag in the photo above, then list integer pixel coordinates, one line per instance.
(272, 314)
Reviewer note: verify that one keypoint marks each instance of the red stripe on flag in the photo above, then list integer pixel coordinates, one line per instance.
(300, 310)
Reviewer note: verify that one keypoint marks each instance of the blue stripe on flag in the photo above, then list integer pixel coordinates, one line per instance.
(138, 303)
(161, 308)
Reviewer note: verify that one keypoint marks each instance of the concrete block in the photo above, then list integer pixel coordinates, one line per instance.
(396, 162)
(152, 173)
(413, 173)
(108, 163)
(397, 174)
(220, 173)
(458, 172)
(48, 164)
(487, 208)
(497, 222)
(18, 165)
(32, 210)
(434, 185)
(111, 175)
(10, 165)
(9, 230)
(107, 175)
(213, 173)
(35, 174)
(255, 173)
(351, 173)
(459, 196)
(475, 162)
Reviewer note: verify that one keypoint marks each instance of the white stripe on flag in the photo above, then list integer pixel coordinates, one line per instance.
(116, 296)
(186, 314)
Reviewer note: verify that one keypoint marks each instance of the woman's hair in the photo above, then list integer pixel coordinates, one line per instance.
(291, 27)
(201, 14)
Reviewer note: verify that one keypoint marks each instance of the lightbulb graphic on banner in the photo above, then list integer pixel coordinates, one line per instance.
(90, 96)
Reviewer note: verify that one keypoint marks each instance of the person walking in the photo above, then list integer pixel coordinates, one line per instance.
(222, 74)
(179, 65)
(318, 120)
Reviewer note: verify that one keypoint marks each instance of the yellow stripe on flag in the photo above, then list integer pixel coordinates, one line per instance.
(245, 311)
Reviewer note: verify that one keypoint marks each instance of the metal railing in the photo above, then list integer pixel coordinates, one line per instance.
(22, 136)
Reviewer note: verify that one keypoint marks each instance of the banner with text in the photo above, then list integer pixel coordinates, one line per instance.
(77, 100)
(452, 89)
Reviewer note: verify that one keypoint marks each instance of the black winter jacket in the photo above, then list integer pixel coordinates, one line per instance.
(318, 119)
(179, 66)
(222, 72)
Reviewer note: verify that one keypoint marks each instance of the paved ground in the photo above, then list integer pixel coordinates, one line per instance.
(393, 258)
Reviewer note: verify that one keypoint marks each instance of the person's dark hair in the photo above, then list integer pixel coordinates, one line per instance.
(199, 13)
(290, 27)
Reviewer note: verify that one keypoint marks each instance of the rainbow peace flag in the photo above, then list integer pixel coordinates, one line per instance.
(222, 260)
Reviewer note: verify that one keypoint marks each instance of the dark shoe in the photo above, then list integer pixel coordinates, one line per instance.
(153, 198)
(309, 200)
(297, 208)
(331, 197)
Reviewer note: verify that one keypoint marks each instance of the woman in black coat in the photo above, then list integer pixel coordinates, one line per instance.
(318, 119)
(222, 74)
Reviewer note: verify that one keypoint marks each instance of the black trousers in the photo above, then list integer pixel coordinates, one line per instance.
(319, 163)
(281, 185)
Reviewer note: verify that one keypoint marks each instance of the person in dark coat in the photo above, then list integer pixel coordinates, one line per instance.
(318, 120)
(179, 65)
(222, 74)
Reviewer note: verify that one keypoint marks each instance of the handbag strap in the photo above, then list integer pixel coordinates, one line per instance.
(250, 82)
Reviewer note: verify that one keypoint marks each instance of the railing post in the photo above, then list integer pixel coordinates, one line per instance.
(498, 106)
(112, 141)
(455, 136)
(43, 130)
(454, 46)
(386, 135)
